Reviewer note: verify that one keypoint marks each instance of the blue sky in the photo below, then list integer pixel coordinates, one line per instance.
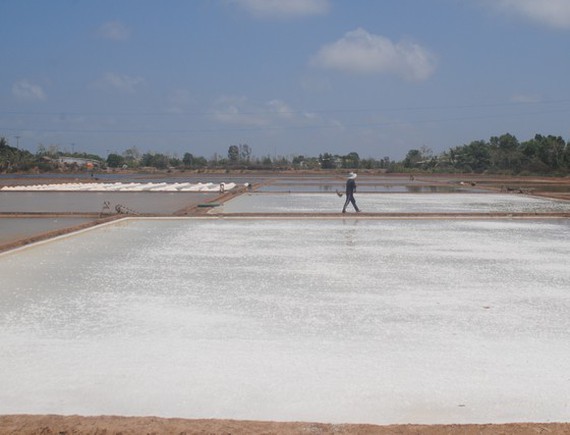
(286, 77)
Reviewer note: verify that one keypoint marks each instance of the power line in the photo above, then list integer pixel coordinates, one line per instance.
(281, 128)
(64, 114)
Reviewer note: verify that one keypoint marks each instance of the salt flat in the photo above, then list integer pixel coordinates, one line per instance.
(309, 320)
(392, 203)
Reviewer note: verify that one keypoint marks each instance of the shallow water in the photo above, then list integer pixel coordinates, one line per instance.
(93, 202)
(369, 188)
(335, 321)
(12, 229)
(394, 203)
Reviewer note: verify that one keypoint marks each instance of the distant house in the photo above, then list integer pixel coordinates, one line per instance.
(79, 161)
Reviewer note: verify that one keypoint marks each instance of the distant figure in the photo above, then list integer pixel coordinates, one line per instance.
(350, 189)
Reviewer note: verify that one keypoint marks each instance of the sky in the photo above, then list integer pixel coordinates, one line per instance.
(286, 77)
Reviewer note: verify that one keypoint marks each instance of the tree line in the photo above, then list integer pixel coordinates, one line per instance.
(542, 155)
(548, 155)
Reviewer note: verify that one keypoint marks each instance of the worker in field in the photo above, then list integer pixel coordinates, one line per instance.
(350, 189)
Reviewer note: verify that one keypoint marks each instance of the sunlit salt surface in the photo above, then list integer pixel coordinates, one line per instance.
(336, 321)
(392, 203)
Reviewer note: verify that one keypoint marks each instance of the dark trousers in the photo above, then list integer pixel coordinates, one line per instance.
(349, 198)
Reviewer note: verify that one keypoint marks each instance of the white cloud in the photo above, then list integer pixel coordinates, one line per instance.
(554, 13)
(119, 82)
(526, 98)
(178, 100)
(239, 111)
(114, 30)
(284, 8)
(280, 108)
(361, 52)
(24, 90)
(316, 84)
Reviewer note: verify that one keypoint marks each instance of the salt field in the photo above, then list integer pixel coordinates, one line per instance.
(369, 188)
(94, 202)
(12, 229)
(378, 321)
(393, 203)
(370, 184)
(121, 187)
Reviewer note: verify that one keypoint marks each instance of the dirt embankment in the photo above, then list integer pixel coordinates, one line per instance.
(66, 425)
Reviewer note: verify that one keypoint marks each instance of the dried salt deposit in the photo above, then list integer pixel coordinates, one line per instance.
(122, 187)
(412, 321)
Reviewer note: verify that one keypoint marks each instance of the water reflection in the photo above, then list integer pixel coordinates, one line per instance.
(12, 229)
(92, 202)
(392, 203)
(362, 187)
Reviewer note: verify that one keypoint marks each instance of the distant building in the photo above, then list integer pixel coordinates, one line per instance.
(79, 161)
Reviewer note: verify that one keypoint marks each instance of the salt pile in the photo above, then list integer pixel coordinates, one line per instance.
(123, 187)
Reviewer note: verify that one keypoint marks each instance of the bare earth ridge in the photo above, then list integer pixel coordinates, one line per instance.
(64, 425)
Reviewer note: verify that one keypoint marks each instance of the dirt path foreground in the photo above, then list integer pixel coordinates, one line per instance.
(66, 425)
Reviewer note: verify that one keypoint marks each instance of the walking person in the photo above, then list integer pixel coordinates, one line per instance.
(350, 189)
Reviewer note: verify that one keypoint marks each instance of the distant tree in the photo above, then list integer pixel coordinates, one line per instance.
(351, 160)
(413, 157)
(174, 162)
(233, 153)
(266, 162)
(159, 161)
(473, 157)
(327, 161)
(551, 150)
(370, 163)
(41, 151)
(7, 154)
(505, 152)
(216, 161)
(188, 160)
(427, 152)
(14, 159)
(146, 159)
(115, 160)
(298, 161)
(200, 162)
(132, 156)
(244, 152)
(281, 162)
(566, 157)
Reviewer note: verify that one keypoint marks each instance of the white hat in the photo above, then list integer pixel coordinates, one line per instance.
(351, 176)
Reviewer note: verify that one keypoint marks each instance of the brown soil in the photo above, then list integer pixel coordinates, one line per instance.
(65, 425)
